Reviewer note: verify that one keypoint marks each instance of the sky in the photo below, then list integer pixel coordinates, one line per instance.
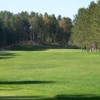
(65, 8)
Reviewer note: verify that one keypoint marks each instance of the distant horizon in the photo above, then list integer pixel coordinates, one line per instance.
(67, 9)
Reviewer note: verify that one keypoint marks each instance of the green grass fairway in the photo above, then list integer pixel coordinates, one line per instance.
(53, 74)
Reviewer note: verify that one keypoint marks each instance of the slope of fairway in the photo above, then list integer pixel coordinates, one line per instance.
(50, 73)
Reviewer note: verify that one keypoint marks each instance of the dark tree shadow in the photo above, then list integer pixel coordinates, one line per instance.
(75, 97)
(59, 97)
(25, 82)
(6, 55)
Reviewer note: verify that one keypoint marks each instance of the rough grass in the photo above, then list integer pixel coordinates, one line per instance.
(51, 74)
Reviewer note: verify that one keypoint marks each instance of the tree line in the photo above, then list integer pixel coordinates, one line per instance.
(29, 28)
(24, 28)
(86, 30)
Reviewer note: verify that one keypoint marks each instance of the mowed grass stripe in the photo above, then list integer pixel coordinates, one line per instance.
(49, 73)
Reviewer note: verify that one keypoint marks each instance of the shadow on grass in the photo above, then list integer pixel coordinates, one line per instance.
(6, 55)
(59, 97)
(25, 82)
(75, 97)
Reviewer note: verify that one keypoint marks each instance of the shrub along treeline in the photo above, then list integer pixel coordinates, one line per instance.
(23, 28)
(86, 30)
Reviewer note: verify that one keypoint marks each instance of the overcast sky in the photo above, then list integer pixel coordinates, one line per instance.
(66, 8)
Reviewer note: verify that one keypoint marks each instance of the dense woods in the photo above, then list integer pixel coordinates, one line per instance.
(86, 30)
(29, 28)
(25, 28)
